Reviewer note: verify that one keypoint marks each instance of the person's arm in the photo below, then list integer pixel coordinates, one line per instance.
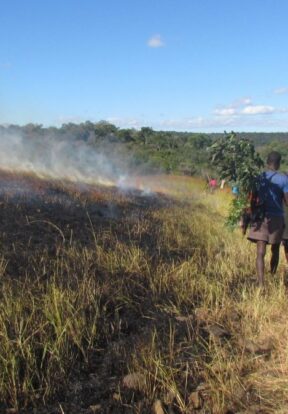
(285, 191)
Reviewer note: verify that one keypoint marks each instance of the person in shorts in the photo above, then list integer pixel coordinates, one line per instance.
(269, 230)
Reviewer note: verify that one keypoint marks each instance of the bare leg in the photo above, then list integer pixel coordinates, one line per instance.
(261, 251)
(286, 250)
(275, 248)
(285, 271)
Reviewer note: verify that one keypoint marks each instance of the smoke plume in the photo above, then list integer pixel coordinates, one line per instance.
(64, 159)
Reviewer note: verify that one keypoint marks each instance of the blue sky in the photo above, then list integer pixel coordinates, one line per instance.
(191, 65)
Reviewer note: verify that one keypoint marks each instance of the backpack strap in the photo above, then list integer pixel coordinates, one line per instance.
(270, 178)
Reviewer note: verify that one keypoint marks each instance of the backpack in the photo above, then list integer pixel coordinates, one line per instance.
(256, 212)
(258, 197)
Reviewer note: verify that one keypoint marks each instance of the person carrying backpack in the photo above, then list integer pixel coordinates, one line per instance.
(267, 224)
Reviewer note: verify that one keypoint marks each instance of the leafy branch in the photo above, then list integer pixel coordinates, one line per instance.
(237, 162)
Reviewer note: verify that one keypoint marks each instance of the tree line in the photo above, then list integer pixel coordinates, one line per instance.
(150, 150)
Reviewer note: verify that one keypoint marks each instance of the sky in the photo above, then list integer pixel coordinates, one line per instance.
(186, 65)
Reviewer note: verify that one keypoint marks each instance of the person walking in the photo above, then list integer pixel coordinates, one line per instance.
(212, 185)
(268, 227)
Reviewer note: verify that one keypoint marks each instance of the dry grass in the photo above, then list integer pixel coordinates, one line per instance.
(96, 284)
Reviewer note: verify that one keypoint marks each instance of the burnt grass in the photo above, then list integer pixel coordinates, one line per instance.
(45, 217)
(41, 218)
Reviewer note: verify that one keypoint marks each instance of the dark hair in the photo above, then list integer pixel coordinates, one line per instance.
(274, 158)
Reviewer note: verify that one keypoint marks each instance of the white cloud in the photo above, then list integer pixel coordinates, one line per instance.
(234, 108)
(225, 111)
(222, 123)
(244, 107)
(125, 122)
(281, 91)
(197, 123)
(258, 109)
(246, 101)
(241, 114)
(155, 41)
(240, 102)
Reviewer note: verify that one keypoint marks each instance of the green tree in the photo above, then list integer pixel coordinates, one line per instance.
(126, 135)
(236, 161)
(103, 128)
(146, 134)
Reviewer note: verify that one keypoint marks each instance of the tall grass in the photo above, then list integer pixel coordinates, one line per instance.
(156, 288)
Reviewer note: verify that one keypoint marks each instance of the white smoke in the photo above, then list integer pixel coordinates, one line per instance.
(64, 159)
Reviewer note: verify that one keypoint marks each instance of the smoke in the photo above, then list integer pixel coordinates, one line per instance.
(64, 159)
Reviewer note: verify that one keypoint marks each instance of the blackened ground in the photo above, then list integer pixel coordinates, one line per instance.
(42, 217)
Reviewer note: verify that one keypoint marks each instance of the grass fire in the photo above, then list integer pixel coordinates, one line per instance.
(119, 301)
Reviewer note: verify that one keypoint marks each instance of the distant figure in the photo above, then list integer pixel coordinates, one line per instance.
(235, 190)
(222, 185)
(268, 228)
(212, 185)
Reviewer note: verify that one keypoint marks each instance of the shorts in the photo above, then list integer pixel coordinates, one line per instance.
(285, 234)
(269, 230)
